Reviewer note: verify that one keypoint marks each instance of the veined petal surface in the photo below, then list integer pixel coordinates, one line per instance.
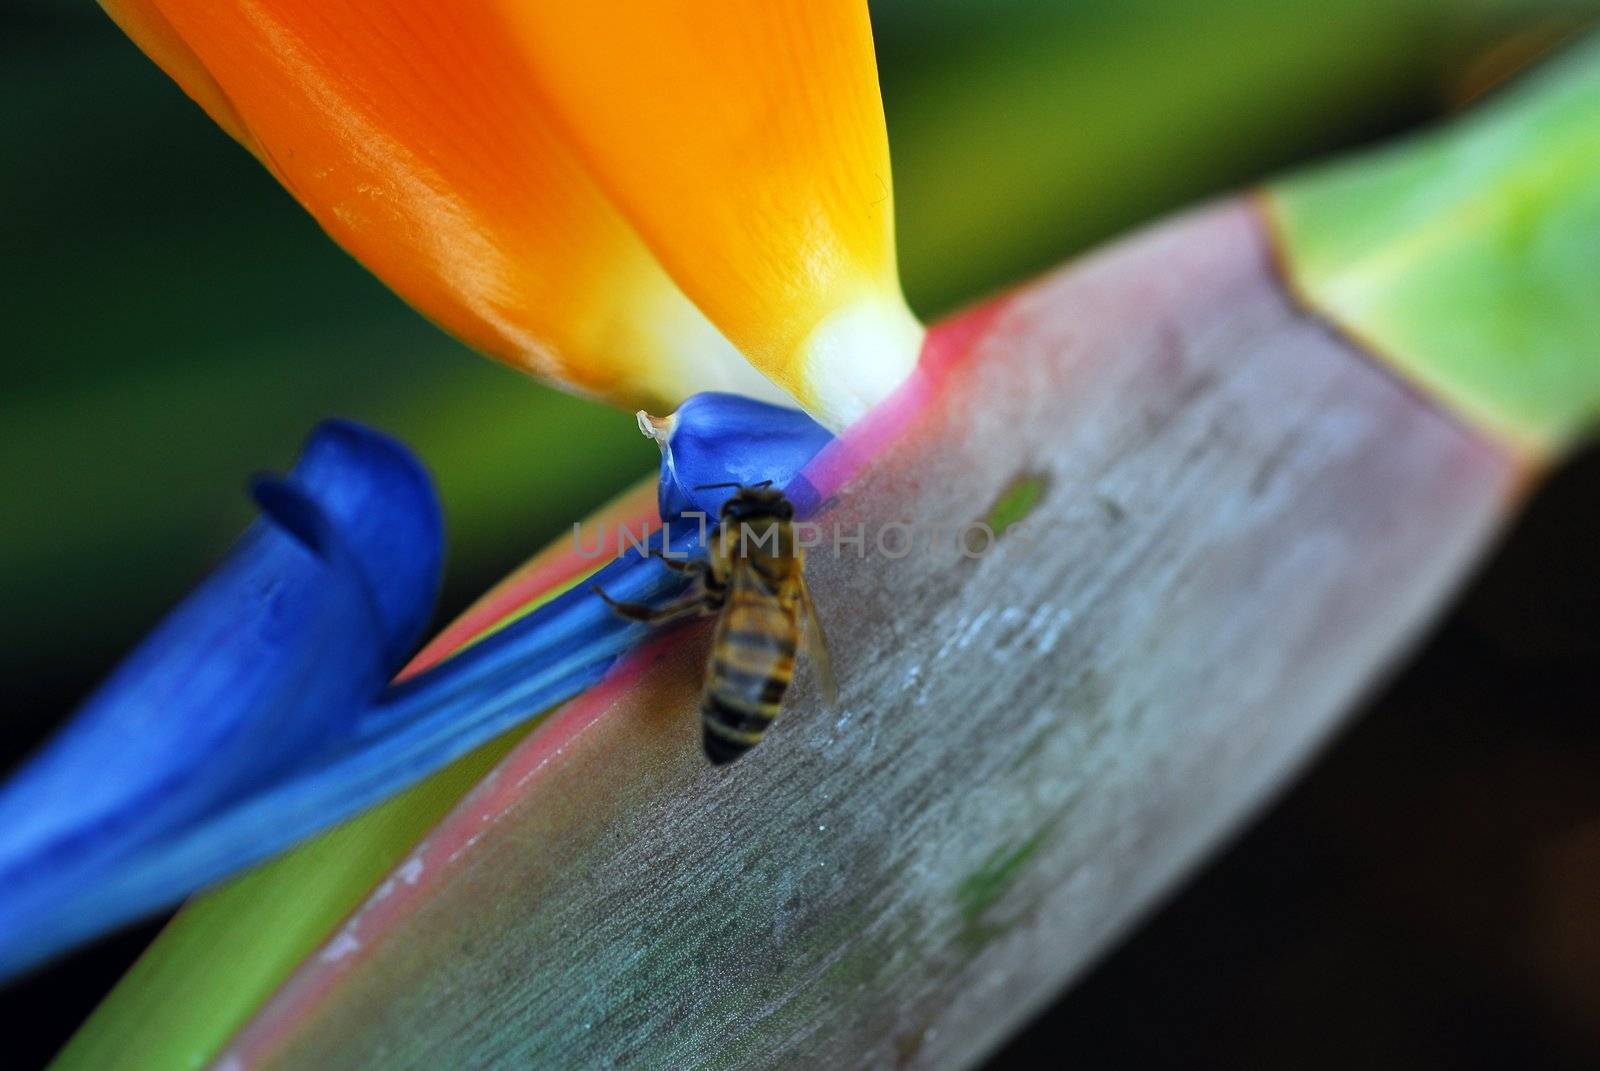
(411, 131)
(746, 143)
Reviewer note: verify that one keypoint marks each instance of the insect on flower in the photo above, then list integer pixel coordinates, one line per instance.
(754, 578)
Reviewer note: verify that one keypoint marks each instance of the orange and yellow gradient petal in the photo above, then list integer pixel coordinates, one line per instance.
(745, 141)
(411, 132)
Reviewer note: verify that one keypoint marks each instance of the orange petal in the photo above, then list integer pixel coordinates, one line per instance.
(408, 128)
(745, 141)
(150, 30)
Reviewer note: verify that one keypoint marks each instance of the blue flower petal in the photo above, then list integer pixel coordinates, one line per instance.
(728, 439)
(256, 715)
(418, 727)
(275, 655)
(382, 503)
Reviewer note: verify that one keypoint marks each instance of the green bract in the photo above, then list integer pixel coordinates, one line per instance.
(1470, 258)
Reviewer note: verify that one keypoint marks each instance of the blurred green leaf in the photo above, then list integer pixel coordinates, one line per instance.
(1470, 258)
(1025, 130)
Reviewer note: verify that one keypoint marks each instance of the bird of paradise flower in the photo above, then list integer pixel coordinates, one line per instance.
(715, 213)
(697, 202)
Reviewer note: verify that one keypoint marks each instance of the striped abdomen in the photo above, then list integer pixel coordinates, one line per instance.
(752, 662)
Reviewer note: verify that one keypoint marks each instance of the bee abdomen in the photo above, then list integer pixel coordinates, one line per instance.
(734, 725)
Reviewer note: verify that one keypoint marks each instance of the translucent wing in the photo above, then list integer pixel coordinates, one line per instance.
(817, 646)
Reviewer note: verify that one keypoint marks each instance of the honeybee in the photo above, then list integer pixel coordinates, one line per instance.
(753, 577)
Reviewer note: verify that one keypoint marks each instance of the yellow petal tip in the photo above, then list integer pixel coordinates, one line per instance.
(857, 357)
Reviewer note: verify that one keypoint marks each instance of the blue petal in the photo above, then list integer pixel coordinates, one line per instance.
(382, 502)
(508, 678)
(729, 439)
(255, 715)
(277, 654)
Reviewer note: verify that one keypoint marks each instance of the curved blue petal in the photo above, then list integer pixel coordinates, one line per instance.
(382, 503)
(275, 655)
(728, 439)
(421, 725)
(255, 715)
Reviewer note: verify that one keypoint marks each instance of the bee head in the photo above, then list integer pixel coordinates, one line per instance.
(749, 503)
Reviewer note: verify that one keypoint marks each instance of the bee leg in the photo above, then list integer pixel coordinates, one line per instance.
(698, 566)
(651, 615)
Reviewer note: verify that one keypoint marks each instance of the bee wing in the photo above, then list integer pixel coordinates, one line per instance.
(817, 646)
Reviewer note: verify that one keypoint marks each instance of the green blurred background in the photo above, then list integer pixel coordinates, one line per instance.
(173, 321)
